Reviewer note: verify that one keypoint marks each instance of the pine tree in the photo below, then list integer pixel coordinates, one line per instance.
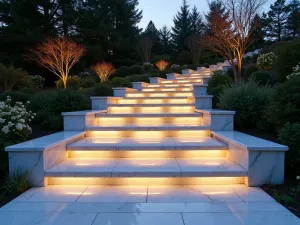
(217, 14)
(276, 21)
(151, 31)
(197, 24)
(293, 22)
(182, 27)
(258, 34)
(165, 40)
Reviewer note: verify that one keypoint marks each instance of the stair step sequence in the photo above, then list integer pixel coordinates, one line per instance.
(154, 136)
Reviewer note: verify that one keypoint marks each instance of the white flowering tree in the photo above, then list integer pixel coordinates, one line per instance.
(296, 72)
(14, 121)
(265, 61)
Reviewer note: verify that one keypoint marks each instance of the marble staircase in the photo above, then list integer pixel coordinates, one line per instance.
(161, 133)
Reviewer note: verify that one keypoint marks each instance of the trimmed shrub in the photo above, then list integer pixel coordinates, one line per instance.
(290, 135)
(73, 83)
(136, 69)
(262, 77)
(285, 104)
(248, 99)
(184, 58)
(123, 71)
(161, 57)
(296, 72)
(120, 82)
(216, 85)
(88, 82)
(37, 80)
(49, 106)
(139, 78)
(229, 72)
(147, 66)
(13, 78)
(103, 90)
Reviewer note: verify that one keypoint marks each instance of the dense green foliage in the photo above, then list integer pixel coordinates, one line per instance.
(262, 77)
(216, 85)
(290, 135)
(248, 99)
(285, 104)
(49, 105)
(73, 82)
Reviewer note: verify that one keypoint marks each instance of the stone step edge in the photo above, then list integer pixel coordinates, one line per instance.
(150, 105)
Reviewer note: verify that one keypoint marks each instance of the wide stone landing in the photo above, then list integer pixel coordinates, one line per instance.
(146, 205)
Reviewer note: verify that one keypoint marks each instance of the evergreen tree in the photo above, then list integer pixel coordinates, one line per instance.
(182, 27)
(151, 31)
(165, 40)
(217, 14)
(258, 34)
(293, 22)
(276, 21)
(197, 24)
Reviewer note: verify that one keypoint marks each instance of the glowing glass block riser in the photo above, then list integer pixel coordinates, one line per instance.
(151, 110)
(150, 121)
(154, 135)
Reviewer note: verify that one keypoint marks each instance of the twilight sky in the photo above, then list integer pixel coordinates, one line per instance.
(161, 12)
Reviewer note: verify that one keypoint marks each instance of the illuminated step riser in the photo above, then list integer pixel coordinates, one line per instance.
(145, 181)
(148, 121)
(180, 82)
(166, 89)
(156, 135)
(151, 110)
(156, 101)
(166, 94)
(157, 154)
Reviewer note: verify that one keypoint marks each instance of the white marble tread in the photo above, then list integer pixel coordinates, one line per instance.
(249, 142)
(98, 143)
(147, 127)
(140, 167)
(44, 143)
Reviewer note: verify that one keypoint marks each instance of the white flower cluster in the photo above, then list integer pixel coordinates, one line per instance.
(296, 72)
(147, 66)
(175, 66)
(14, 119)
(265, 61)
(37, 80)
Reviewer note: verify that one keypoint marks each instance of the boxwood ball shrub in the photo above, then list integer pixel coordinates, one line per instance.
(37, 80)
(120, 82)
(248, 99)
(266, 61)
(285, 104)
(290, 135)
(252, 68)
(136, 69)
(216, 85)
(262, 77)
(73, 82)
(103, 90)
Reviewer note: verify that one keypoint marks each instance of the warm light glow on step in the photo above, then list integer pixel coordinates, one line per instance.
(190, 121)
(121, 110)
(77, 193)
(149, 134)
(151, 110)
(82, 164)
(192, 133)
(140, 181)
(111, 121)
(150, 193)
(149, 121)
(157, 154)
(127, 101)
(216, 193)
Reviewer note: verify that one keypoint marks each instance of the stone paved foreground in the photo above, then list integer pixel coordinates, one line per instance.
(146, 205)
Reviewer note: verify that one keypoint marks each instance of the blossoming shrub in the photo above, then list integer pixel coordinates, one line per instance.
(14, 121)
(296, 72)
(265, 61)
(37, 80)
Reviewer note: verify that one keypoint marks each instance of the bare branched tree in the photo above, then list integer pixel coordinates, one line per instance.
(231, 35)
(144, 48)
(193, 43)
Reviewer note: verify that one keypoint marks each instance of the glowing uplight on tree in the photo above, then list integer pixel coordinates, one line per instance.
(104, 70)
(162, 65)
